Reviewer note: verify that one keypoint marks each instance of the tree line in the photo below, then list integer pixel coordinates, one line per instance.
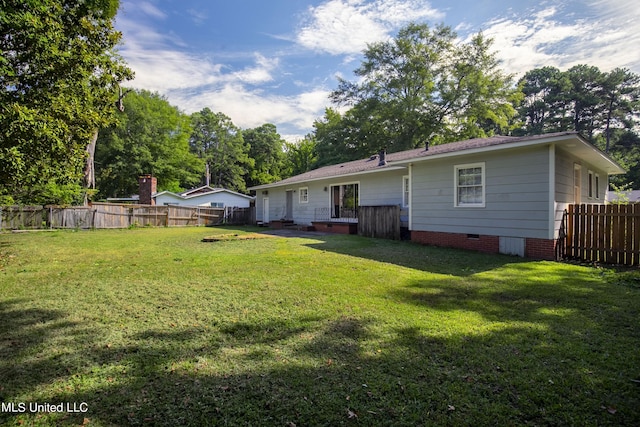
(69, 132)
(184, 151)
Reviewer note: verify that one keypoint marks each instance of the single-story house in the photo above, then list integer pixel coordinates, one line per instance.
(499, 194)
(204, 196)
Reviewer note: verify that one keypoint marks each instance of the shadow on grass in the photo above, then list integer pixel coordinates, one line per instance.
(315, 371)
(551, 348)
(451, 261)
(25, 332)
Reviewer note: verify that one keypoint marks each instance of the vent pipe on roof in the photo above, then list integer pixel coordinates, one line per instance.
(382, 154)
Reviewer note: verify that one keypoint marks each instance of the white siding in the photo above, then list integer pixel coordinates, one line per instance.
(229, 200)
(564, 184)
(380, 188)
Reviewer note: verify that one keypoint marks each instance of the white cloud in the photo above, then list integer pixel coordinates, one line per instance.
(606, 38)
(260, 73)
(194, 81)
(163, 70)
(149, 9)
(198, 16)
(347, 26)
(252, 108)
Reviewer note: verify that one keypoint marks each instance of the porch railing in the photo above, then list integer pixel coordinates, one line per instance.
(336, 215)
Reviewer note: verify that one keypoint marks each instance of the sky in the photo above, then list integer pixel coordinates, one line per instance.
(276, 61)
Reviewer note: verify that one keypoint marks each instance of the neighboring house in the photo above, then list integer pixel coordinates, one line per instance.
(204, 196)
(624, 196)
(499, 194)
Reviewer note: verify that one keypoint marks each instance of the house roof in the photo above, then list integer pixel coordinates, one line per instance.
(202, 191)
(571, 141)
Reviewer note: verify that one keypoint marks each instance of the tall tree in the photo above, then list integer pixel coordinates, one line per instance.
(586, 98)
(544, 105)
(339, 139)
(581, 99)
(217, 141)
(423, 87)
(152, 136)
(58, 82)
(300, 157)
(603, 106)
(266, 150)
(621, 96)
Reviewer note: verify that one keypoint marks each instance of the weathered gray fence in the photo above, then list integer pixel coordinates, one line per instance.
(112, 215)
(379, 221)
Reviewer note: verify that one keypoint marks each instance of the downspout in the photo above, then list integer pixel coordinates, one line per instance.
(552, 192)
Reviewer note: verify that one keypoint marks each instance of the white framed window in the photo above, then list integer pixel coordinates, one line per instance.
(591, 184)
(406, 191)
(216, 204)
(577, 183)
(303, 195)
(597, 184)
(469, 185)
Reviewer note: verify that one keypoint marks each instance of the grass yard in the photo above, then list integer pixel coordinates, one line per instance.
(156, 327)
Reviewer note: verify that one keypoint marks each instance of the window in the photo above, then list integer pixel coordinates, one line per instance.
(405, 191)
(591, 184)
(303, 195)
(345, 201)
(469, 185)
(577, 183)
(217, 205)
(597, 186)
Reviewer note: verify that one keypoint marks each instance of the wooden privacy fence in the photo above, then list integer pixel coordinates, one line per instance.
(603, 233)
(110, 215)
(379, 221)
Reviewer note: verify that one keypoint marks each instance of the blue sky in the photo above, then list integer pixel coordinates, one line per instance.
(277, 61)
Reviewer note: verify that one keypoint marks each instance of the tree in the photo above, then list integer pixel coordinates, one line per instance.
(338, 139)
(423, 87)
(626, 151)
(266, 150)
(300, 157)
(219, 143)
(544, 104)
(58, 80)
(152, 136)
(601, 106)
(621, 96)
(586, 98)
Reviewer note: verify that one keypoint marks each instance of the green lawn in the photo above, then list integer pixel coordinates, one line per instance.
(155, 327)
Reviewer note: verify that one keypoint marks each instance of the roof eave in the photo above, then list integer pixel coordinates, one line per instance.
(346, 175)
(611, 167)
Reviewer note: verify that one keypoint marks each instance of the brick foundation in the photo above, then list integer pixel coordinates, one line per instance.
(540, 249)
(480, 243)
(280, 223)
(336, 227)
(534, 248)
